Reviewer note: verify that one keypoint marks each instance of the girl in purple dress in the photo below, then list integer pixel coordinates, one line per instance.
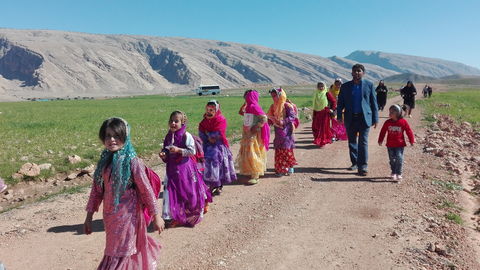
(219, 168)
(185, 195)
(121, 183)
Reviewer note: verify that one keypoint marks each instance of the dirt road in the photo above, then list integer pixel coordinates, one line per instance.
(322, 217)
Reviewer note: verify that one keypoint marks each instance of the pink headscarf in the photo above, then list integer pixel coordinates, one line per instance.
(216, 123)
(251, 98)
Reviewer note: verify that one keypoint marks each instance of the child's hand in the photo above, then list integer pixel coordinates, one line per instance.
(174, 149)
(158, 223)
(87, 225)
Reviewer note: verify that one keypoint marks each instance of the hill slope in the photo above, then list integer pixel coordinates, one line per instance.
(56, 63)
(413, 64)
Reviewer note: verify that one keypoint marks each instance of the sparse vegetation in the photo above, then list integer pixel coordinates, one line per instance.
(447, 185)
(463, 105)
(455, 218)
(449, 204)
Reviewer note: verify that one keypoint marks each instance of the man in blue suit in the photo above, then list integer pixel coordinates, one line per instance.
(359, 100)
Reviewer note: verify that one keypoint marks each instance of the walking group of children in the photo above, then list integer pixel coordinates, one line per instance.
(196, 169)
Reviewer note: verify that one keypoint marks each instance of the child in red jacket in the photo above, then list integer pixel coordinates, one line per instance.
(395, 127)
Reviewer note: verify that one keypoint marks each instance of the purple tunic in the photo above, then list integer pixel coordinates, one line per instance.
(219, 164)
(185, 193)
(284, 136)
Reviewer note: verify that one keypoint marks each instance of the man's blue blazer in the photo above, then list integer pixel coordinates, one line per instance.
(369, 103)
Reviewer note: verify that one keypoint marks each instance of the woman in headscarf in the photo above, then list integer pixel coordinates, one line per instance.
(408, 93)
(252, 156)
(219, 167)
(282, 116)
(323, 106)
(381, 95)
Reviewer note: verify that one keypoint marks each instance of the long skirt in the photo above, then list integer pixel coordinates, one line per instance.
(338, 130)
(410, 102)
(219, 166)
(252, 156)
(185, 194)
(146, 251)
(322, 134)
(284, 159)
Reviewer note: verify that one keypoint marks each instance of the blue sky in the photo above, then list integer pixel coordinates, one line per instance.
(444, 29)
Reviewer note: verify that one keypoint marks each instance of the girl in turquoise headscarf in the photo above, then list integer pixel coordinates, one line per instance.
(323, 106)
(120, 181)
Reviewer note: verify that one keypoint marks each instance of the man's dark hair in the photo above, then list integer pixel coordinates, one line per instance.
(360, 66)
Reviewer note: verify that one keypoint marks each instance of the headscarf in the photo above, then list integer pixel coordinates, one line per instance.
(251, 98)
(120, 164)
(175, 138)
(320, 100)
(215, 123)
(409, 92)
(278, 107)
(334, 89)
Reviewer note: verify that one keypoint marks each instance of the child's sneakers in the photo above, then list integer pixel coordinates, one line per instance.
(396, 177)
(252, 181)
(291, 170)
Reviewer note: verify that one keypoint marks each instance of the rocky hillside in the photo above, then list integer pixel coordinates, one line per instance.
(413, 64)
(55, 63)
(405, 77)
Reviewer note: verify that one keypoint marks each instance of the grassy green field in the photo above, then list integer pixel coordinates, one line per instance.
(462, 104)
(47, 132)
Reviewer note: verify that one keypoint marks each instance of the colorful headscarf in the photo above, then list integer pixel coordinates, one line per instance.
(320, 100)
(175, 138)
(251, 98)
(215, 123)
(334, 89)
(120, 164)
(278, 107)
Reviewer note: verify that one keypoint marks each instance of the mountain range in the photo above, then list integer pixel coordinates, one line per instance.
(55, 63)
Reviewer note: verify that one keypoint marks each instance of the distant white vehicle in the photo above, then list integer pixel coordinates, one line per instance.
(207, 90)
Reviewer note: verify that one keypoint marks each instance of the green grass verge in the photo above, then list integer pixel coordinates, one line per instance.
(47, 132)
(447, 185)
(448, 204)
(455, 218)
(462, 105)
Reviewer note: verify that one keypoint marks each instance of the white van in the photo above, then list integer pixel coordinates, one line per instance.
(208, 90)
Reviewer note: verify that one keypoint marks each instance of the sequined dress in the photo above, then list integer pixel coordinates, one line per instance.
(219, 165)
(128, 245)
(252, 156)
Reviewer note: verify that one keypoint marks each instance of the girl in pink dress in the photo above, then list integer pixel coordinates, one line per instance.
(120, 181)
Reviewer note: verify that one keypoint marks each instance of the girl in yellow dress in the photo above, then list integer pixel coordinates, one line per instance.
(252, 157)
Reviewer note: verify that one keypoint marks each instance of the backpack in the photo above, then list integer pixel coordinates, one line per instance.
(296, 121)
(199, 157)
(156, 184)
